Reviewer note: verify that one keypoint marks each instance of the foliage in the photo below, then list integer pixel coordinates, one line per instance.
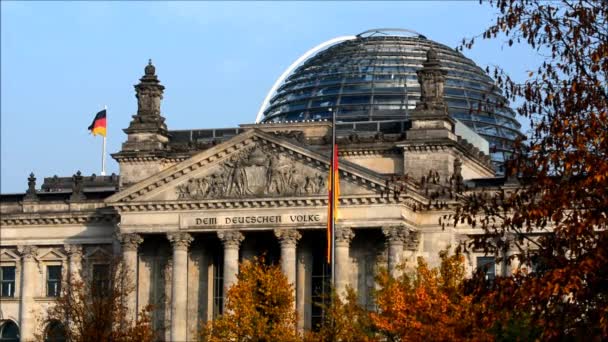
(427, 305)
(92, 310)
(345, 320)
(259, 307)
(557, 219)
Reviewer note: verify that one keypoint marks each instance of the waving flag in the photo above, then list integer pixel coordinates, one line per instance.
(99, 124)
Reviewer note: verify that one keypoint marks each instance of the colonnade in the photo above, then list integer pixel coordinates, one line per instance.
(231, 241)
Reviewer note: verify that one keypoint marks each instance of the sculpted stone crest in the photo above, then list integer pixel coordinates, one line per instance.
(255, 172)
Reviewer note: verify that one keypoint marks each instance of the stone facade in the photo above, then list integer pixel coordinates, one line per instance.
(184, 213)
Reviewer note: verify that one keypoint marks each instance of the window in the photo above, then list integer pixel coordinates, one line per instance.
(7, 278)
(218, 285)
(55, 332)
(53, 281)
(488, 266)
(321, 274)
(9, 332)
(101, 279)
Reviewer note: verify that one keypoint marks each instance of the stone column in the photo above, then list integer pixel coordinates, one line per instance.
(74, 253)
(288, 239)
(304, 287)
(395, 237)
(342, 272)
(232, 240)
(130, 243)
(179, 285)
(27, 319)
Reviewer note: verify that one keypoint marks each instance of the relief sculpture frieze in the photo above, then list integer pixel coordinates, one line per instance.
(255, 172)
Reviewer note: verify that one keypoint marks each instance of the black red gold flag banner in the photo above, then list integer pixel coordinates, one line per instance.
(333, 198)
(99, 124)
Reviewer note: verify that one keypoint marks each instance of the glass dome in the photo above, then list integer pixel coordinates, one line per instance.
(372, 77)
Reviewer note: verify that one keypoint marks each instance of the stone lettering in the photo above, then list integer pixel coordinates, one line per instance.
(305, 218)
(205, 220)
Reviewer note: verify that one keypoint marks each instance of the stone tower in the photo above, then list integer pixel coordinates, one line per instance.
(147, 136)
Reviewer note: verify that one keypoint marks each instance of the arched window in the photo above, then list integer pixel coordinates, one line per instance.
(9, 332)
(55, 332)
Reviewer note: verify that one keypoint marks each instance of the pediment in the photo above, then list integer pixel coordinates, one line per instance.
(97, 253)
(52, 254)
(8, 255)
(252, 165)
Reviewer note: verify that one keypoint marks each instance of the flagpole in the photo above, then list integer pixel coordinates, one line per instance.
(103, 149)
(333, 199)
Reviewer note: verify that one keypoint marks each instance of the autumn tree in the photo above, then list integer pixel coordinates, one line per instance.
(556, 218)
(428, 304)
(92, 307)
(259, 307)
(344, 320)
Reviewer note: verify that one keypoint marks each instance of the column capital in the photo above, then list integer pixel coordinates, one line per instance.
(231, 238)
(180, 241)
(73, 251)
(130, 242)
(396, 234)
(287, 237)
(28, 253)
(344, 235)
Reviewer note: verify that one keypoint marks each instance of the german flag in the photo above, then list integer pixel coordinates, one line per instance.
(99, 124)
(333, 196)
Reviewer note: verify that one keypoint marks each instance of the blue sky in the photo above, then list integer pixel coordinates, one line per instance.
(61, 62)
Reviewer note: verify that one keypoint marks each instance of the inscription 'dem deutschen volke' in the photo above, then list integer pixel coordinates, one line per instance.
(257, 219)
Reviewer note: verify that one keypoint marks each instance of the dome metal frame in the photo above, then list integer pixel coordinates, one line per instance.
(372, 77)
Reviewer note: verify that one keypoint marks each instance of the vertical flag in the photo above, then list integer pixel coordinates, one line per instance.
(333, 198)
(99, 124)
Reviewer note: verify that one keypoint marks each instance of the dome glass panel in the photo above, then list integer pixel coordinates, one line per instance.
(373, 78)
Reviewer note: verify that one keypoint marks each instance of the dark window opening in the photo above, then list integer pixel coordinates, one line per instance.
(101, 279)
(55, 332)
(321, 290)
(9, 332)
(7, 281)
(487, 266)
(218, 284)
(53, 281)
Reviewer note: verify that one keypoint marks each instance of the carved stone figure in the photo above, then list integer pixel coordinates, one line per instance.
(253, 173)
(431, 79)
(30, 194)
(77, 187)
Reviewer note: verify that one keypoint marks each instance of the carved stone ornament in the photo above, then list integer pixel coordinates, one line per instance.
(413, 240)
(77, 187)
(30, 194)
(396, 234)
(457, 179)
(73, 251)
(29, 253)
(255, 172)
(344, 235)
(180, 240)
(287, 237)
(231, 238)
(130, 242)
(431, 79)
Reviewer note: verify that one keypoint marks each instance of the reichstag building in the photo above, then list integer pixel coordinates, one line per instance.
(418, 125)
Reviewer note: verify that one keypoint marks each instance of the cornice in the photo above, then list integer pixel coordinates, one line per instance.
(279, 202)
(57, 219)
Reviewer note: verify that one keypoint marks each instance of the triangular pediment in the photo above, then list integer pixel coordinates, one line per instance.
(8, 255)
(97, 253)
(249, 166)
(52, 254)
